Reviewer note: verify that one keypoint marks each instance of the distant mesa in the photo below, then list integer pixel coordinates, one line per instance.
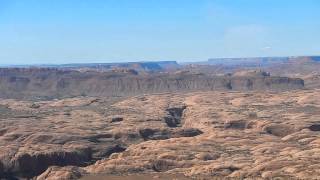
(59, 83)
(134, 78)
(261, 61)
(137, 66)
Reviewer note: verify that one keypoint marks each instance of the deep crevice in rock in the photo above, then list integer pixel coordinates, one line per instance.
(109, 150)
(31, 165)
(154, 134)
(28, 166)
(174, 117)
(160, 134)
(315, 127)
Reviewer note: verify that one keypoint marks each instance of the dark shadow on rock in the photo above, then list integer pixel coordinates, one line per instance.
(174, 116)
(116, 119)
(28, 166)
(315, 127)
(191, 132)
(160, 134)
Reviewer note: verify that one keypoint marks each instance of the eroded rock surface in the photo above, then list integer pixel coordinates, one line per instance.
(210, 134)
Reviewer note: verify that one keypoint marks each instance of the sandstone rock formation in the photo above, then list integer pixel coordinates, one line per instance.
(198, 134)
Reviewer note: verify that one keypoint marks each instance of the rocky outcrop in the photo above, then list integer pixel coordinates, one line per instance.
(75, 131)
(30, 165)
(244, 135)
(65, 173)
(260, 135)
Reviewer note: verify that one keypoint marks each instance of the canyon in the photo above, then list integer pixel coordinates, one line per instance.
(141, 120)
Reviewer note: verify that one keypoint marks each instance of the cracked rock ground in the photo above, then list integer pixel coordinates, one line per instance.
(199, 135)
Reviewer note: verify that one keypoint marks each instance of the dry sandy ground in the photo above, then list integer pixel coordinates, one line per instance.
(200, 134)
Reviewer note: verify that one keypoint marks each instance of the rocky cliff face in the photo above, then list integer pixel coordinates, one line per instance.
(52, 83)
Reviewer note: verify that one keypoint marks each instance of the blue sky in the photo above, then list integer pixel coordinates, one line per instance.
(67, 31)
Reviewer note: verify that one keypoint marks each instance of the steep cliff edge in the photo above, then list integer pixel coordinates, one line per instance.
(54, 83)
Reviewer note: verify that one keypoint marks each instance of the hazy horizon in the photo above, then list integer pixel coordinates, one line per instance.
(139, 61)
(97, 31)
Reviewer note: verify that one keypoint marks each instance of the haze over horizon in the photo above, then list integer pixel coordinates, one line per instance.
(97, 31)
